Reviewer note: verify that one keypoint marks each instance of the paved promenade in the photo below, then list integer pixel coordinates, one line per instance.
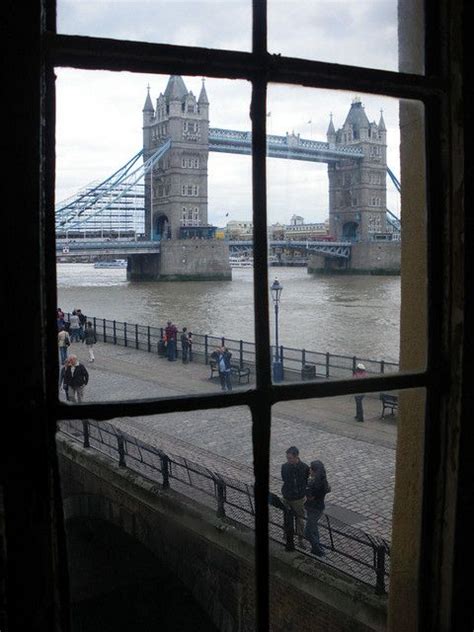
(359, 457)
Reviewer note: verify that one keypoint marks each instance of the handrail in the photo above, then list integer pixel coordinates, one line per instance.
(326, 365)
(351, 551)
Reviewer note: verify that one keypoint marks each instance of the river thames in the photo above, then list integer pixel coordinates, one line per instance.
(351, 315)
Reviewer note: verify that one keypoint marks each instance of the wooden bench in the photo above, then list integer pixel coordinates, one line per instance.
(389, 402)
(242, 373)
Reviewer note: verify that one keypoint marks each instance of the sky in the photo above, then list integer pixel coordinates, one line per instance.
(99, 114)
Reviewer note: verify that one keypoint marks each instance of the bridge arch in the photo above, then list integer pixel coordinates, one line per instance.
(161, 227)
(350, 231)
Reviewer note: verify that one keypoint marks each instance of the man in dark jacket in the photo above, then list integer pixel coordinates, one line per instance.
(294, 474)
(223, 356)
(76, 377)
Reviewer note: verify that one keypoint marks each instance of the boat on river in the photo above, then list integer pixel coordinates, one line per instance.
(240, 262)
(115, 263)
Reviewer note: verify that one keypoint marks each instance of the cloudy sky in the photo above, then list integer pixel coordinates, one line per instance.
(99, 114)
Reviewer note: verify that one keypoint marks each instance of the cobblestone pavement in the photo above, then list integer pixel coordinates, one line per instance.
(359, 458)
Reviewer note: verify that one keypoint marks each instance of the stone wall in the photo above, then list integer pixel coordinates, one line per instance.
(195, 260)
(183, 260)
(213, 558)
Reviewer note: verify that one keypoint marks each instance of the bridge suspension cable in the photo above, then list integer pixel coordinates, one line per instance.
(108, 193)
(394, 179)
(96, 190)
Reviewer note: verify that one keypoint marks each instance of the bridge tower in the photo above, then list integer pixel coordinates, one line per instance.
(176, 191)
(357, 187)
(176, 213)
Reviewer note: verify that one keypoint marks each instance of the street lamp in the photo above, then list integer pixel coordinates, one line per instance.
(276, 290)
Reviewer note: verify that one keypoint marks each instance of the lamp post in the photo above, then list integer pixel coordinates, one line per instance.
(276, 290)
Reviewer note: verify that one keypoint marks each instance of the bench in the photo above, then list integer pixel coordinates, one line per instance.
(389, 402)
(242, 373)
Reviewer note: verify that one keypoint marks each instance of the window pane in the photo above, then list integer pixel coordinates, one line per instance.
(160, 517)
(348, 241)
(141, 232)
(208, 23)
(384, 34)
(342, 532)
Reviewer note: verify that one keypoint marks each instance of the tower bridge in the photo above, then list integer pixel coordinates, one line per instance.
(169, 179)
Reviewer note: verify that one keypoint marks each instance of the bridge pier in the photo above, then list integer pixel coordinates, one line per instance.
(143, 267)
(373, 257)
(183, 260)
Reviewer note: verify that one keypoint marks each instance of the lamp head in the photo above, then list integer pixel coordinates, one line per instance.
(276, 290)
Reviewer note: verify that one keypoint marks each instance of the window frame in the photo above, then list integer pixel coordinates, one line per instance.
(260, 68)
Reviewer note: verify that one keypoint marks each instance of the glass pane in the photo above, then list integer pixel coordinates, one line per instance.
(332, 482)
(207, 23)
(384, 34)
(348, 241)
(159, 519)
(141, 227)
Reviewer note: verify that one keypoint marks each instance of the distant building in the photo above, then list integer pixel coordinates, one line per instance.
(296, 220)
(276, 232)
(239, 230)
(297, 230)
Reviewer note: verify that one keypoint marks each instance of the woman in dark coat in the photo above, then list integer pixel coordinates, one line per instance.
(316, 491)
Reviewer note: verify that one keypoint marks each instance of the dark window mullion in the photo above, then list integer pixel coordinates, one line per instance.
(261, 411)
(133, 408)
(74, 51)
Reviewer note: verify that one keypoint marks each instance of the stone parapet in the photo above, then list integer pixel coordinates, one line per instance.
(210, 555)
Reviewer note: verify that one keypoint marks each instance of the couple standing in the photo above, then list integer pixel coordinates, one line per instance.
(304, 488)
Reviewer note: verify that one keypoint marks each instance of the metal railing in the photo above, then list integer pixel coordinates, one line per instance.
(349, 550)
(297, 363)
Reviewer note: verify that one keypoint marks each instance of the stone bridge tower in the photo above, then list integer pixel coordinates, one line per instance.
(176, 191)
(357, 187)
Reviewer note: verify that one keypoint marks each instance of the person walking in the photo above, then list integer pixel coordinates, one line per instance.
(76, 377)
(294, 474)
(223, 366)
(360, 372)
(62, 383)
(190, 346)
(74, 327)
(63, 343)
(82, 323)
(184, 345)
(316, 491)
(171, 333)
(90, 339)
(60, 318)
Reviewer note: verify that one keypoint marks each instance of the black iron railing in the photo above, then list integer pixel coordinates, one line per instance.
(302, 363)
(349, 550)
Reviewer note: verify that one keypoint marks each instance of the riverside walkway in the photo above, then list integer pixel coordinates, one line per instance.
(359, 457)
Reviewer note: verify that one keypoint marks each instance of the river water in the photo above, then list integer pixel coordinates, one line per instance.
(352, 315)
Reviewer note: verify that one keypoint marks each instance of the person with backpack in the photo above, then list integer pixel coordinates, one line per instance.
(294, 474)
(316, 491)
(76, 377)
(90, 339)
